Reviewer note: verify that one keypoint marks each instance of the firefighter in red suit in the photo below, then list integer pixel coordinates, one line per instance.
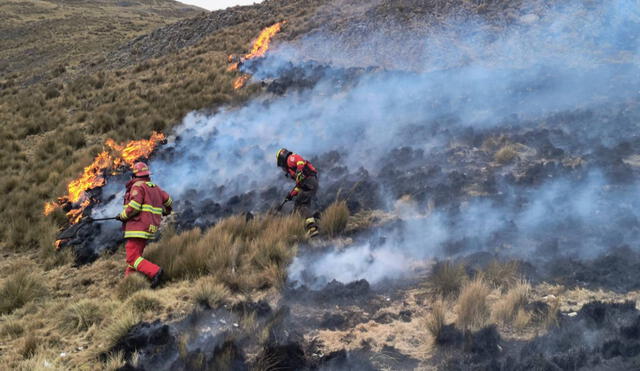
(144, 205)
(306, 177)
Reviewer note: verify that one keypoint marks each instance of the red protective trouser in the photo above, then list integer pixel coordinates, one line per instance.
(135, 261)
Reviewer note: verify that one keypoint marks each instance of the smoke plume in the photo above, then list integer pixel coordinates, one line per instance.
(562, 82)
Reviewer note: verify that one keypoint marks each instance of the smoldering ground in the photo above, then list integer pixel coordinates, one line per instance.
(563, 88)
(561, 92)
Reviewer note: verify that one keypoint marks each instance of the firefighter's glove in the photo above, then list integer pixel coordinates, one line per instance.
(299, 177)
(119, 218)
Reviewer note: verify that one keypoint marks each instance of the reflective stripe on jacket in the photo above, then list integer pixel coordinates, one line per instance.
(144, 205)
(298, 168)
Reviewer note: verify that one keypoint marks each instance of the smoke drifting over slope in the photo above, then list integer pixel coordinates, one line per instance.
(564, 87)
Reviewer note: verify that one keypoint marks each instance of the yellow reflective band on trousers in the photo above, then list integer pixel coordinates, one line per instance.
(138, 261)
(309, 221)
(138, 234)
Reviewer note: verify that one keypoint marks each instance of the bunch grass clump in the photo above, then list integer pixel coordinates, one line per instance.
(334, 219)
(20, 288)
(473, 309)
(447, 278)
(242, 254)
(131, 284)
(510, 306)
(82, 315)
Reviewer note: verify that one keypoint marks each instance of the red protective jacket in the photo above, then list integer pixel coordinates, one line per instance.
(144, 205)
(298, 169)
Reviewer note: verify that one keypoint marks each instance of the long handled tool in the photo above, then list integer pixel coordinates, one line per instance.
(73, 231)
(279, 208)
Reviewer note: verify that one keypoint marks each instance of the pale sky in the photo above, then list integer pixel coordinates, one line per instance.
(218, 4)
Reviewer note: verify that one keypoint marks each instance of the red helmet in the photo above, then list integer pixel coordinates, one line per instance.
(140, 169)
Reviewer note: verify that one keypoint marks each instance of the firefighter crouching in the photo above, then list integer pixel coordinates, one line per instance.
(144, 205)
(304, 192)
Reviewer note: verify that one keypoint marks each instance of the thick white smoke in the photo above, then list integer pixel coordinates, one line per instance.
(573, 57)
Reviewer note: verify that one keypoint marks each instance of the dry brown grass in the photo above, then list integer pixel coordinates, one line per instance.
(114, 361)
(243, 255)
(436, 318)
(82, 315)
(28, 346)
(20, 288)
(507, 309)
(210, 293)
(447, 278)
(505, 154)
(472, 307)
(12, 328)
(502, 274)
(130, 285)
(144, 301)
(118, 326)
(334, 219)
(44, 359)
(522, 319)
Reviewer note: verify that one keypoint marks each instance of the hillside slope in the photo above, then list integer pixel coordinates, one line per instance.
(38, 36)
(478, 179)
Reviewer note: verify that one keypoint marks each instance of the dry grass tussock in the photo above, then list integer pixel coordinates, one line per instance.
(118, 326)
(447, 278)
(210, 293)
(130, 285)
(144, 301)
(435, 320)
(242, 254)
(506, 154)
(502, 274)
(81, 315)
(20, 288)
(510, 307)
(334, 219)
(11, 329)
(472, 307)
(43, 359)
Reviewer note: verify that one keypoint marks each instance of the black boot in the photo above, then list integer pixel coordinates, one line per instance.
(155, 281)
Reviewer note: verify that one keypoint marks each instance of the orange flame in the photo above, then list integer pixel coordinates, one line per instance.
(93, 175)
(259, 49)
(135, 149)
(261, 44)
(240, 81)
